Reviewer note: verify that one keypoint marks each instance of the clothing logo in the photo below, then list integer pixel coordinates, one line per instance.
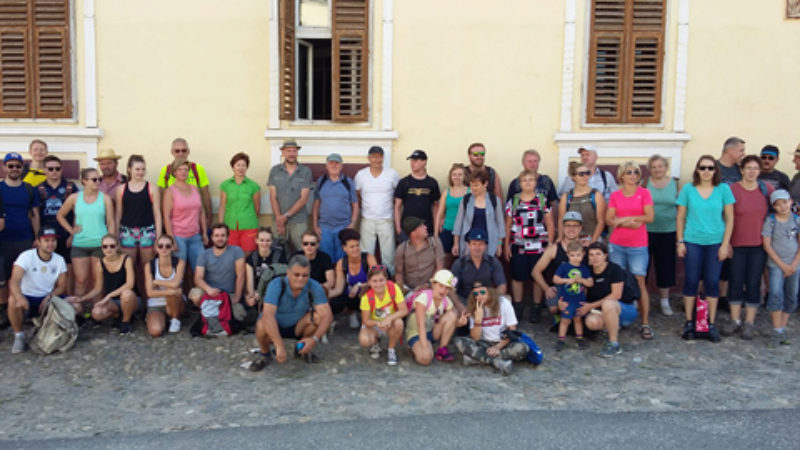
(43, 269)
(419, 191)
(62, 190)
(574, 288)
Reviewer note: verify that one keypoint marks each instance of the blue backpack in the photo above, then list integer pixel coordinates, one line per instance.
(535, 355)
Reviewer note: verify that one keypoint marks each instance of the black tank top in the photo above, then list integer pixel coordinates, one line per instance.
(137, 207)
(114, 280)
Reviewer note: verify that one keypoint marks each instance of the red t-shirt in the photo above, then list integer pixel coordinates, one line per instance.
(749, 213)
(630, 206)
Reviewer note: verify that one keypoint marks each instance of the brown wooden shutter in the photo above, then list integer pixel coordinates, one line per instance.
(350, 55)
(287, 20)
(51, 58)
(15, 63)
(626, 61)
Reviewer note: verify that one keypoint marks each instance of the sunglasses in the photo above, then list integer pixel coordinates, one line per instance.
(181, 150)
(14, 166)
(479, 292)
(706, 168)
(478, 153)
(378, 267)
(105, 246)
(309, 244)
(583, 173)
(768, 157)
(54, 169)
(92, 179)
(167, 246)
(632, 172)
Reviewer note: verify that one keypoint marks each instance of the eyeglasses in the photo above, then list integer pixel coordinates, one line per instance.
(309, 244)
(167, 246)
(768, 157)
(583, 173)
(14, 166)
(479, 292)
(706, 168)
(53, 169)
(105, 246)
(478, 153)
(632, 172)
(181, 150)
(92, 179)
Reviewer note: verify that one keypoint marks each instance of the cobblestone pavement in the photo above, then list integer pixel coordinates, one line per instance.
(130, 384)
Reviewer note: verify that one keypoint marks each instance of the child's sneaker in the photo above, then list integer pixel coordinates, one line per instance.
(375, 351)
(582, 344)
(391, 357)
(560, 345)
(443, 354)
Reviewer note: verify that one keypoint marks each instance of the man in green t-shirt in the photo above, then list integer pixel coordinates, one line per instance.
(197, 175)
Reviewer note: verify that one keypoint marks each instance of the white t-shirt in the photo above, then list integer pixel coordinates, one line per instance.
(493, 327)
(40, 276)
(377, 193)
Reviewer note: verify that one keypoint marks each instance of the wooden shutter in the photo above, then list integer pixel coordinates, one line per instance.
(15, 63)
(626, 59)
(350, 56)
(287, 21)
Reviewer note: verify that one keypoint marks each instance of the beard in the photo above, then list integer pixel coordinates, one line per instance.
(221, 246)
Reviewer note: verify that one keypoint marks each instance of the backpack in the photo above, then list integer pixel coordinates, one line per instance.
(591, 197)
(630, 288)
(391, 287)
(468, 195)
(56, 329)
(267, 275)
(216, 315)
(310, 310)
(535, 355)
(325, 178)
(428, 293)
(192, 167)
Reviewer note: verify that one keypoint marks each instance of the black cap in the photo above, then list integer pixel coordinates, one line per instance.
(477, 234)
(418, 154)
(47, 232)
(375, 149)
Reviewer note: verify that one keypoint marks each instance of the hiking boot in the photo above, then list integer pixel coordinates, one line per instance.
(731, 328)
(470, 361)
(174, 325)
(688, 330)
(582, 344)
(261, 360)
(713, 334)
(536, 313)
(443, 354)
(610, 349)
(503, 365)
(19, 343)
(375, 351)
(561, 344)
(748, 331)
(391, 357)
(125, 328)
(354, 323)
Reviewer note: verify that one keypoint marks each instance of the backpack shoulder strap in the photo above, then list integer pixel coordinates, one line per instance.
(29, 190)
(43, 191)
(514, 203)
(465, 199)
(346, 183)
(605, 182)
(167, 174)
(321, 182)
(364, 261)
(193, 167)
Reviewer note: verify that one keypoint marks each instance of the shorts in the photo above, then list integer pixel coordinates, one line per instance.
(632, 259)
(522, 264)
(569, 311)
(627, 314)
(289, 332)
(189, 248)
(9, 252)
(132, 237)
(378, 330)
(244, 239)
(33, 306)
(413, 340)
(157, 309)
(86, 252)
(118, 302)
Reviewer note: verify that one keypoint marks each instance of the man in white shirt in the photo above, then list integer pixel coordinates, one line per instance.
(375, 187)
(600, 179)
(38, 274)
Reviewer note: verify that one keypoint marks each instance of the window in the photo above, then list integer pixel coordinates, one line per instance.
(35, 59)
(324, 59)
(625, 61)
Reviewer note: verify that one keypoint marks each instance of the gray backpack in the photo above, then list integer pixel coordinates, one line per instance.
(56, 329)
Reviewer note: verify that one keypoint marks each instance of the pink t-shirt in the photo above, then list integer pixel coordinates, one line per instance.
(749, 213)
(186, 212)
(630, 206)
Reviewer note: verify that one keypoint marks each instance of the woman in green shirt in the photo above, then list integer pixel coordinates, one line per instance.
(239, 201)
(661, 231)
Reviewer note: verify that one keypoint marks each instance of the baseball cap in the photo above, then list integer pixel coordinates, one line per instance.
(375, 149)
(418, 154)
(780, 194)
(573, 215)
(12, 156)
(770, 150)
(335, 157)
(445, 277)
(411, 223)
(587, 147)
(47, 232)
(477, 234)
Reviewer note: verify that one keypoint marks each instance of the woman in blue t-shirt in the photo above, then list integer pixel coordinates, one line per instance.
(704, 228)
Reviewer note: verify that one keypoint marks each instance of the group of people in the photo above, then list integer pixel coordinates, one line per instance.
(117, 245)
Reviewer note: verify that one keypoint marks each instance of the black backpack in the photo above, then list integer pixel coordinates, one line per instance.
(630, 289)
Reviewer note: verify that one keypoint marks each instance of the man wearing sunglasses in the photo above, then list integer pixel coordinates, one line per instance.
(52, 194)
(600, 179)
(476, 152)
(477, 265)
(769, 174)
(21, 206)
(197, 175)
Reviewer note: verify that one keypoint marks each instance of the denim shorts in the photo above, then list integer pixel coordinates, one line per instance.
(415, 338)
(189, 249)
(632, 259)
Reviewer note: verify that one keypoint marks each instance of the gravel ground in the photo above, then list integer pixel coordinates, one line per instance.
(110, 384)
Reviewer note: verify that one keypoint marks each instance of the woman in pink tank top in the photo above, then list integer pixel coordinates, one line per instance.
(183, 218)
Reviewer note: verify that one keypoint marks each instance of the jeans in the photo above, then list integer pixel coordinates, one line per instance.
(746, 269)
(782, 291)
(189, 248)
(383, 230)
(701, 262)
(329, 243)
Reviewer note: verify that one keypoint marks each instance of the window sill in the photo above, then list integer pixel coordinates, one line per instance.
(333, 135)
(50, 132)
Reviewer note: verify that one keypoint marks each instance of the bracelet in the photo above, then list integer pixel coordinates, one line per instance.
(680, 242)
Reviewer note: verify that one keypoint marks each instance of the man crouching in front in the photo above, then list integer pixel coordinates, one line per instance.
(295, 307)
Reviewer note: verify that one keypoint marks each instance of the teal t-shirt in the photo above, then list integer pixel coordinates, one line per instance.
(664, 207)
(705, 224)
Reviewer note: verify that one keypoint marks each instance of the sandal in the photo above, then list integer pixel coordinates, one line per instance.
(647, 332)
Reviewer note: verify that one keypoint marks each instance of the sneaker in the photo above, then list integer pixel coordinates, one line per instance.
(688, 330)
(748, 331)
(125, 328)
(561, 344)
(443, 354)
(174, 325)
(610, 349)
(582, 344)
(713, 334)
(324, 339)
(470, 361)
(775, 339)
(375, 351)
(731, 328)
(785, 340)
(665, 308)
(260, 361)
(503, 365)
(391, 357)
(354, 323)
(311, 358)
(19, 343)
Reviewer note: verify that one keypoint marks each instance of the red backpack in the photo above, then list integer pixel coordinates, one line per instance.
(192, 167)
(390, 286)
(215, 314)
